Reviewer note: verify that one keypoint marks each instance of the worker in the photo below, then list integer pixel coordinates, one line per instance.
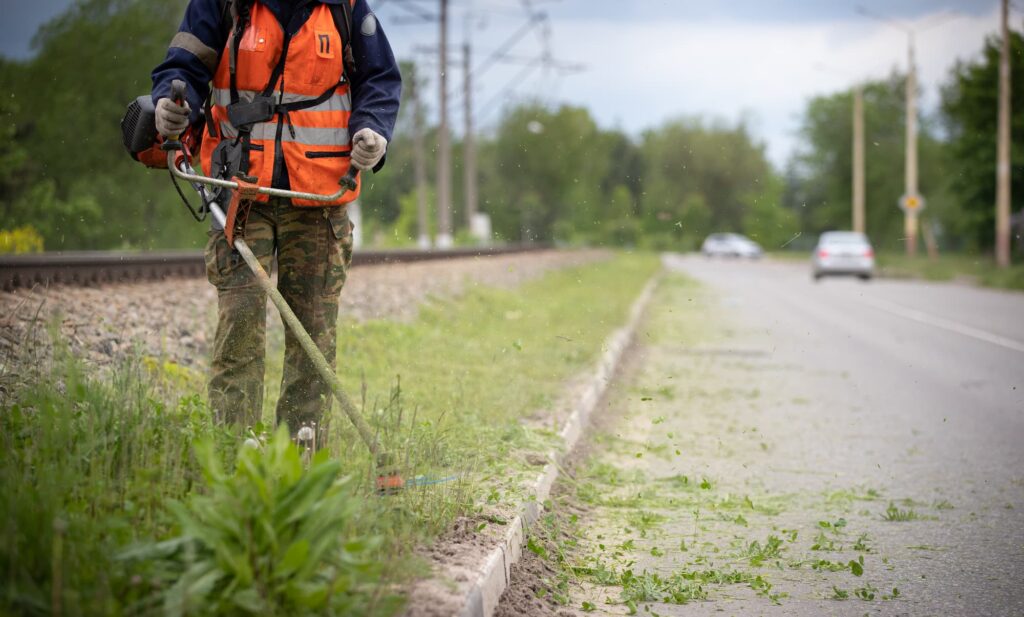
(291, 81)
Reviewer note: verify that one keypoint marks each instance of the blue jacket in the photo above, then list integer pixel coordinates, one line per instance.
(376, 84)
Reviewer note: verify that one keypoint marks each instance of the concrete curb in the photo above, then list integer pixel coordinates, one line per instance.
(495, 573)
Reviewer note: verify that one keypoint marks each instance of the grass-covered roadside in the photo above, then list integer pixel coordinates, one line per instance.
(980, 270)
(947, 267)
(111, 508)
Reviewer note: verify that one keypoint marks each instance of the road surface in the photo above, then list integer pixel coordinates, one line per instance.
(770, 427)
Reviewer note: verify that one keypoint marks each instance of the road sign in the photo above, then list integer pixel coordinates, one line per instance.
(911, 203)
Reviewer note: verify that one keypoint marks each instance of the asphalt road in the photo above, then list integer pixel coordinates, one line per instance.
(916, 354)
(915, 387)
(813, 402)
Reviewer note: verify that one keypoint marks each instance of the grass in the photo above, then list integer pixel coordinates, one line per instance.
(894, 514)
(947, 267)
(122, 497)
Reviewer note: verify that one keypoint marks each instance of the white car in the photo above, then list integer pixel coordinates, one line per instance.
(843, 253)
(730, 245)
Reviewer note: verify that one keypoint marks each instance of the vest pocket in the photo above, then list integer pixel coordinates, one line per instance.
(326, 154)
(317, 168)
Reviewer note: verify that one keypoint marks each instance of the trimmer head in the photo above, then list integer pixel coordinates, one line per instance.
(389, 479)
(389, 483)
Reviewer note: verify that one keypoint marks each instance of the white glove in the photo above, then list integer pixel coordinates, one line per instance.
(368, 149)
(171, 118)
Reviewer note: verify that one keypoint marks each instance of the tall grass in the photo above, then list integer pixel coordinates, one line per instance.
(86, 465)
(108, 509)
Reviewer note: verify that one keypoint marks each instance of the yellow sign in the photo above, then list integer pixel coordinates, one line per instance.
(911, 203)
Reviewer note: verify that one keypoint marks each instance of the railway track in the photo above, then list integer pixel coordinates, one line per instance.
(85, 268)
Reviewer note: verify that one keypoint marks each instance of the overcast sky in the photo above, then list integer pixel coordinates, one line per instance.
(648, 60)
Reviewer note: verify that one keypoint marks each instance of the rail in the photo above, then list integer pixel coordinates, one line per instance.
(85, 268)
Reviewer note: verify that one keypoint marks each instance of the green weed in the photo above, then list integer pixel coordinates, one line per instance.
(87, 465)
(758, 553)
(862, 544)
(270, 538)
(823, 543)
(866, 593)
(894, 514)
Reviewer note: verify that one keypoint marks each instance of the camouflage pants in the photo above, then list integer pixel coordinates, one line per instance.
(313, 247)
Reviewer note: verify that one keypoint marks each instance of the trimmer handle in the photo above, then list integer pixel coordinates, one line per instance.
(178, 90)
(349, 180)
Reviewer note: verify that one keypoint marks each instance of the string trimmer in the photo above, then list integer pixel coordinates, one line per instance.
(142, 141)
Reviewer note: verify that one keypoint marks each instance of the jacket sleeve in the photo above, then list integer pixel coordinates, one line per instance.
(376, 80)
(193, 54)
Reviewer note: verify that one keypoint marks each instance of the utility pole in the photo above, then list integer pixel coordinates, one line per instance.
(1003, 147)
(469, 140)
(911, 203)
(911, 199)
(444, 208)
(859, 222)
(419, 166)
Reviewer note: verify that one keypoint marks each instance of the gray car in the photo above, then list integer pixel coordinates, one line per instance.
(843, 253)
(730, 245)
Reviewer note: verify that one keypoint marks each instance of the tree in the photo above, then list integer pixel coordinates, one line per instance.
(819, 178)
(382, 197)
(702, 177)
(969, 106)
(550, 168)
(78, 186)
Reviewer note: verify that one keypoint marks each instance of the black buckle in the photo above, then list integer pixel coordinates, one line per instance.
(246, 113)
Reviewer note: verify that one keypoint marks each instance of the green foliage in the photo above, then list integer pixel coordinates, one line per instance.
(758, 553)
(65, 171)
(894, 514)
(270, 539)
(86, 465)
(548, 174)
(703, 177)
(820, 176)
(90, 461)
(549, 168)
(652, 587)
(969, 105)
(1008, 278)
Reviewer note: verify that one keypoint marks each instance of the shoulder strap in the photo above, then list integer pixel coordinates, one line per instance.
(342, 14)
(227, 11)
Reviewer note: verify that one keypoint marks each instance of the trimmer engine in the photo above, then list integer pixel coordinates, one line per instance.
(141, 140)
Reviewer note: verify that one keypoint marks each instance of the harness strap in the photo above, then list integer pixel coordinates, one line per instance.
(342, 14)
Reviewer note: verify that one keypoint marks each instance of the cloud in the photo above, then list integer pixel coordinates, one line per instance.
(641, 72)
(647, 72)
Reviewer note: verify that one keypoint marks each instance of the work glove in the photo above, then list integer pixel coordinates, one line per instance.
(368, 149)
(171, 118)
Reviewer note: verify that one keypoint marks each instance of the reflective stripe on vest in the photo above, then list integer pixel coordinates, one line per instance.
(314, 142)
(310, 136)
(337, 102)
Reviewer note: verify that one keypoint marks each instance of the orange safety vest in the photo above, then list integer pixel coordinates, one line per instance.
(306, 103)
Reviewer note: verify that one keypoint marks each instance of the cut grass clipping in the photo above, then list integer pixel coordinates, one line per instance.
(92, 463)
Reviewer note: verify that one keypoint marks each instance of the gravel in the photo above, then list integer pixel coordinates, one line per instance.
(175, 319)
